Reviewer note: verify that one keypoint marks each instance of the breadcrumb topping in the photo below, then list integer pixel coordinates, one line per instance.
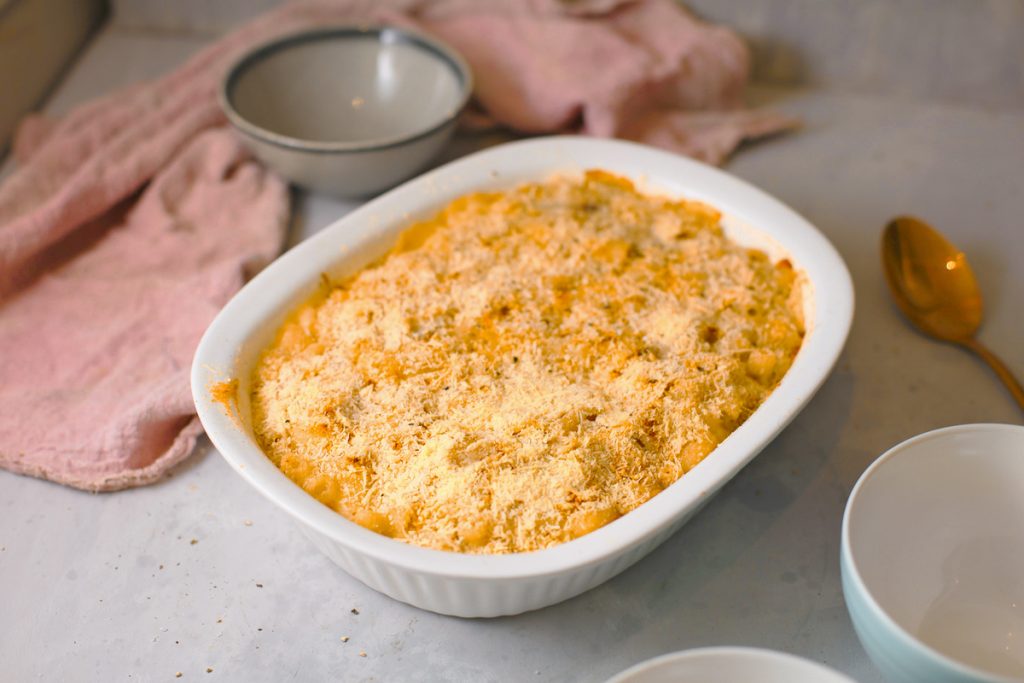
(526, 366)
(225, 393)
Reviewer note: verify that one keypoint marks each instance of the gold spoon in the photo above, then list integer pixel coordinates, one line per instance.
(935, 288)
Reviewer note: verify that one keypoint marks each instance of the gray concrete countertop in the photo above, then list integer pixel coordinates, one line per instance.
(199, 572)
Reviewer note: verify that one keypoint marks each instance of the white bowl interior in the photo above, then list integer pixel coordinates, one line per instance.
(729, 665)
(347, 86)
(936, 533)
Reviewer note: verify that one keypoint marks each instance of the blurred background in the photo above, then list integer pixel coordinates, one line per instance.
(956, 51)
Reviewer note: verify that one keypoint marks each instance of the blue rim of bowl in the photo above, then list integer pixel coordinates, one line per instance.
(385, 34)
(906, 639)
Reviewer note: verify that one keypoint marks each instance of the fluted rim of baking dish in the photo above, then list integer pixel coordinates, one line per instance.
(283, 284)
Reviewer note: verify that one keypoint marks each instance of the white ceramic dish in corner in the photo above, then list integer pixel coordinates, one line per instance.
(932, 557)
(729, 665)
(468, 585)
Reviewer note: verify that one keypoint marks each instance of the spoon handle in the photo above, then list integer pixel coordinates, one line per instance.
(1000, 368)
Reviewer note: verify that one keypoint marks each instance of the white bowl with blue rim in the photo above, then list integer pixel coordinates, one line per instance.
(932, 557)
(348, 111)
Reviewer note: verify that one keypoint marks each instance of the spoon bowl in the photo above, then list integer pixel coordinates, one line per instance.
(934, 286)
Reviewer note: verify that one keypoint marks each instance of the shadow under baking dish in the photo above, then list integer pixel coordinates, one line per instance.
(493, 585)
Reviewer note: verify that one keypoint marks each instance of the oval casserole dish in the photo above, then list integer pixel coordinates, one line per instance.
(492, 585)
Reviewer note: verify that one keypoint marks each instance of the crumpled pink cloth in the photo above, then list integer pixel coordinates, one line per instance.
(135, 218)
(96, 351)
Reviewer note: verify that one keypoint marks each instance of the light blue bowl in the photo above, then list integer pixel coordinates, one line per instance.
(932, 557)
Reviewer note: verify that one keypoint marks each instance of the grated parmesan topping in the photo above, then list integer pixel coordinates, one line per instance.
(527, 366)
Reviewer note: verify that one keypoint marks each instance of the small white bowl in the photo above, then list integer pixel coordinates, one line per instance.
(729, 665)
(932, 556)
(347, 111)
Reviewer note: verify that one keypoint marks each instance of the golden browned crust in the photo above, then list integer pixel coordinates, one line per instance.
(226, 394)
(527, 366)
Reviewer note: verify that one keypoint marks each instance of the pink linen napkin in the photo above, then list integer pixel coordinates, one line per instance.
(96, 352)
(135, 218)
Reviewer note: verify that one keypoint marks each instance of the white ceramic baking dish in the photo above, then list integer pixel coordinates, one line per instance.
(474, 585)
